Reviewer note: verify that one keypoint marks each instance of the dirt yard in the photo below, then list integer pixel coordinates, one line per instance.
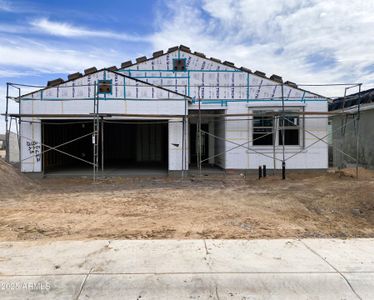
(226, 207)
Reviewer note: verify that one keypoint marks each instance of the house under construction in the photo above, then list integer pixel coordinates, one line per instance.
(352, 138)
(175, 111)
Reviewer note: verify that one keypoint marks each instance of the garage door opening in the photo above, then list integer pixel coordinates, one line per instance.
(136, 145)
(73, 155)
(125, 147)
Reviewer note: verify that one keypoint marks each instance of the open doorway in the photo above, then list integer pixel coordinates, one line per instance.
(212, 140)
(76, 151)
(194, 144)
(125, 147)
(136, 145)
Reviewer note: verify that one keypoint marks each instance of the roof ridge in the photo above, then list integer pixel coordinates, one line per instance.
(274, 77)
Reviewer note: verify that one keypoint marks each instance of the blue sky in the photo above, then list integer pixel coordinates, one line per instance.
(305, 41)
(70, 31)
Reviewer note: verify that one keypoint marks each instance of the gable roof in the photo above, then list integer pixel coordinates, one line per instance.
(59, 81)
(274, 78)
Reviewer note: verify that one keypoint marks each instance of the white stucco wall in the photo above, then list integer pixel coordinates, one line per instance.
(176, 145)
(31, 147)
(240, 132)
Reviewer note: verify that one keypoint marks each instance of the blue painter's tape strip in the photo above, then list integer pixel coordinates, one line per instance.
(221, 71)
(189, 86)
(193, 100)
(248, 86)
(150, 77)
(124, 87)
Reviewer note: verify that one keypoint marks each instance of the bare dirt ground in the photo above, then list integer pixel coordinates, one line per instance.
(227, 207)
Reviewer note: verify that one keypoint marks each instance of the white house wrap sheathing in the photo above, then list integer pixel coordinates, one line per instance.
(241, 92)
(76, 97)
(219, 86)
(217, 81)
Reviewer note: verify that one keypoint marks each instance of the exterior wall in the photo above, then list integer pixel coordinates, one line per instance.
(175, 145)
(316, 126)
(344, 138)
(76, 97)
(128, 97)
(241, 92)
(217, 81)
(124, 88)
(215, 85)
(240, 132)
(31, 146)
(142, 107)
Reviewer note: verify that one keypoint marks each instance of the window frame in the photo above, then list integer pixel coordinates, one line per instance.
(289, 127)
(102, 81)
(277, 128)
(185, 64)
(266, 133)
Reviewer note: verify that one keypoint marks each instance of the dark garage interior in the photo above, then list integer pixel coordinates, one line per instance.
(125, 145)
(57, 132)
(136, 144)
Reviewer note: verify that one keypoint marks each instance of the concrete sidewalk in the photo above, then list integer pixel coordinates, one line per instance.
(188, 269)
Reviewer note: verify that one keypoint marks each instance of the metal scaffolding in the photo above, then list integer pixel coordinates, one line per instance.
(98, 119)
(96, 132)
(282, 130)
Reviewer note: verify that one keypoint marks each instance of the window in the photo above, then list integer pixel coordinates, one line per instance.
(264, 125)
(263, 130)
(291, 130)
(105, 86)
(179, 64)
